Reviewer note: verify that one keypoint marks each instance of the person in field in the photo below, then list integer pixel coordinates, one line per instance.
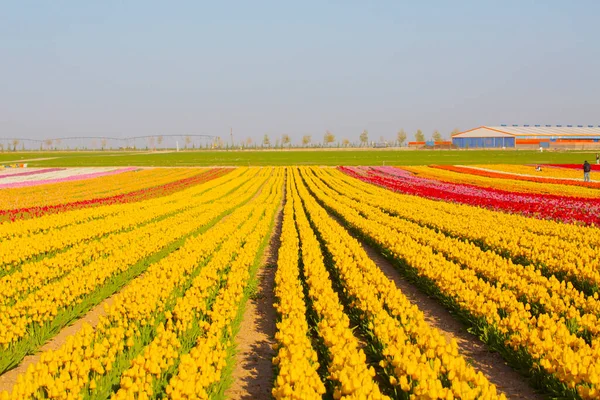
(586, 171)
(597, 158)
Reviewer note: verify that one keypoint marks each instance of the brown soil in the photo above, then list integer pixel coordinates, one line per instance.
(491, 364)
(92, 317)
(253, 372)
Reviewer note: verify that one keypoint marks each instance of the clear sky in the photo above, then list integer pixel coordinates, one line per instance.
(126, 68)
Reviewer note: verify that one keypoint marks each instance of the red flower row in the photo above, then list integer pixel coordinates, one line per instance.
(543, 206)
(138, 195)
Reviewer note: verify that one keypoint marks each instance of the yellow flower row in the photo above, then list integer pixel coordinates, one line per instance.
(561, 248)
(559, 299)
(417, 355)
(202, 367)
(547, 172)
(296, 360)
(164, 351)
(64, 192)
(500, 183)
(44, 304)
(35, 274)
(548, 341)
(105, 220)
(81, 365)
(348, 370)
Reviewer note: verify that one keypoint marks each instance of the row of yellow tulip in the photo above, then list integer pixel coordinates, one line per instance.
(35, 274)
(42, 224)
(547, 172)
(202, 368)
(504, 184)
(548, 341)
(417, 358)
(63, 192)
(190, 316)
(39, 308)
(296, 360)
(107, 219)
(560, 300)
(348, 370)
(90, 361)
(565, 249)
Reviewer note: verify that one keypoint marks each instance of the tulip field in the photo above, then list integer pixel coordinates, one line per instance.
(132, 282)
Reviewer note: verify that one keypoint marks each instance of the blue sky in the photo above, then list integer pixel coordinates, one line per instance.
(127, 68)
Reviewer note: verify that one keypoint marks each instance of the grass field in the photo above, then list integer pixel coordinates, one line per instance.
(290, 157)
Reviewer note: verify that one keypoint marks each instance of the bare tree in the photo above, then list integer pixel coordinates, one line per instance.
(159, 140)
(328, 138)
(285, 139)
(57, 143)
(364, 138)
(103, 143)
(305, 140)
(345, 142)
(401, 137)
(48, 143)
(455, 131)
(15, 143)
(266, 141)
(152, 142)
(437, 136)
(188, 140)
(248, 141)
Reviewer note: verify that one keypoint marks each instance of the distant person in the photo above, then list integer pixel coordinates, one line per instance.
(597, 158)
(538, 168)
(586, 171)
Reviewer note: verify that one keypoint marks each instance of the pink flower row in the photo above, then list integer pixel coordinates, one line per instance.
(66, 179)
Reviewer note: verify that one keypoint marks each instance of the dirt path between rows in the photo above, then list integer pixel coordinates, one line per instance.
(253, 371)
(92, 317)
(491, 364)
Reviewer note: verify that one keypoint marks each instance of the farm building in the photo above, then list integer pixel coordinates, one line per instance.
(525, 136)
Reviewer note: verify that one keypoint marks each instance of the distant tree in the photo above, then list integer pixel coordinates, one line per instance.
(188, 140)
(364, 138)
(285, 139)
(277, 142)
(454, 132)
(57, 143)
(248, 141)
(15, 143)
(159, 140)
(419, 136)
(103, 143)
(401, 137)
(152, 142)
(94, 144)
(345, 142)
(437, 136)
(219, 142)
(2, 147)
(266, 141)
(328, 138)
(48, 143)
(305, 140)
(23, 146)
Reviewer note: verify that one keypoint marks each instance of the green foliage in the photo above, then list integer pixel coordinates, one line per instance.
(292, 157)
